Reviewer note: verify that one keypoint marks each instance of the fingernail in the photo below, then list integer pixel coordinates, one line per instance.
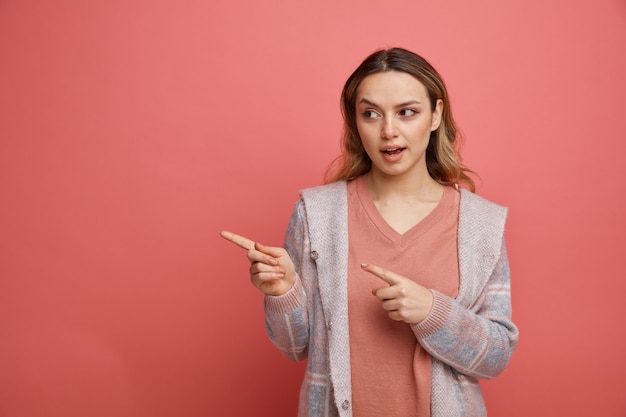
(273, 261)
(363, 265)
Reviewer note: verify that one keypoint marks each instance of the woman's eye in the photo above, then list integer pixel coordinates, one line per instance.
(369, 114)
(407, 112)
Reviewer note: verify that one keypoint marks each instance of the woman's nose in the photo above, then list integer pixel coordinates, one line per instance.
(389, 129)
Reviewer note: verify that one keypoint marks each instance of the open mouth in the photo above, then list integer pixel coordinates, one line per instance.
(393, 151)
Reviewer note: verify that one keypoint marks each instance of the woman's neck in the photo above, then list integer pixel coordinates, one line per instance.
(404, 188)
(404, 202)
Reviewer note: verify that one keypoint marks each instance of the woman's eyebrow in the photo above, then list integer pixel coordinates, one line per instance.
(369, 103)
(406, 103)
(409, 103)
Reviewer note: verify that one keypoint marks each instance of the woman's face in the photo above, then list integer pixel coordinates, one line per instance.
(394, 120)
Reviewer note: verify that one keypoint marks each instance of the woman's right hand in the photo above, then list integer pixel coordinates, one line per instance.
(272, 270)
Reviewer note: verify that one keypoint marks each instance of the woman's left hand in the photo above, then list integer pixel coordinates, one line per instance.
(403, 299)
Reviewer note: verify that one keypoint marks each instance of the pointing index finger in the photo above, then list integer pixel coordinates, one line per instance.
(382, 273)
(242, 242)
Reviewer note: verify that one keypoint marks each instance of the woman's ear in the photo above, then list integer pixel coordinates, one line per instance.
(437, 113)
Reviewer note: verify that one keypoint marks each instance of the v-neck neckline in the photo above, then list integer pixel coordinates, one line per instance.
(401, 239)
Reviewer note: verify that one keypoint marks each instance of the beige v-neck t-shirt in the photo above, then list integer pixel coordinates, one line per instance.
(391, 373)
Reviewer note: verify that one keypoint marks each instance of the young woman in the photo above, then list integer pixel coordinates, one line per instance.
(394, 279)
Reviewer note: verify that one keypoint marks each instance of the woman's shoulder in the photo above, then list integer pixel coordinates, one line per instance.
(322, 192)
(478, 212)
(476, 202)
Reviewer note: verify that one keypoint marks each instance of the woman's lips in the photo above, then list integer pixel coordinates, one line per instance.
(392, 154)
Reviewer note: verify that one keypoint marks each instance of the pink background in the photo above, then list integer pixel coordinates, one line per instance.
(132, 131)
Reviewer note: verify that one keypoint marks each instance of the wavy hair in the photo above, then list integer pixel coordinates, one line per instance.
(442, 154)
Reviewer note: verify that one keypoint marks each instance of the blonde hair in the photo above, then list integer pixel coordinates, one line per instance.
(442, 153)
